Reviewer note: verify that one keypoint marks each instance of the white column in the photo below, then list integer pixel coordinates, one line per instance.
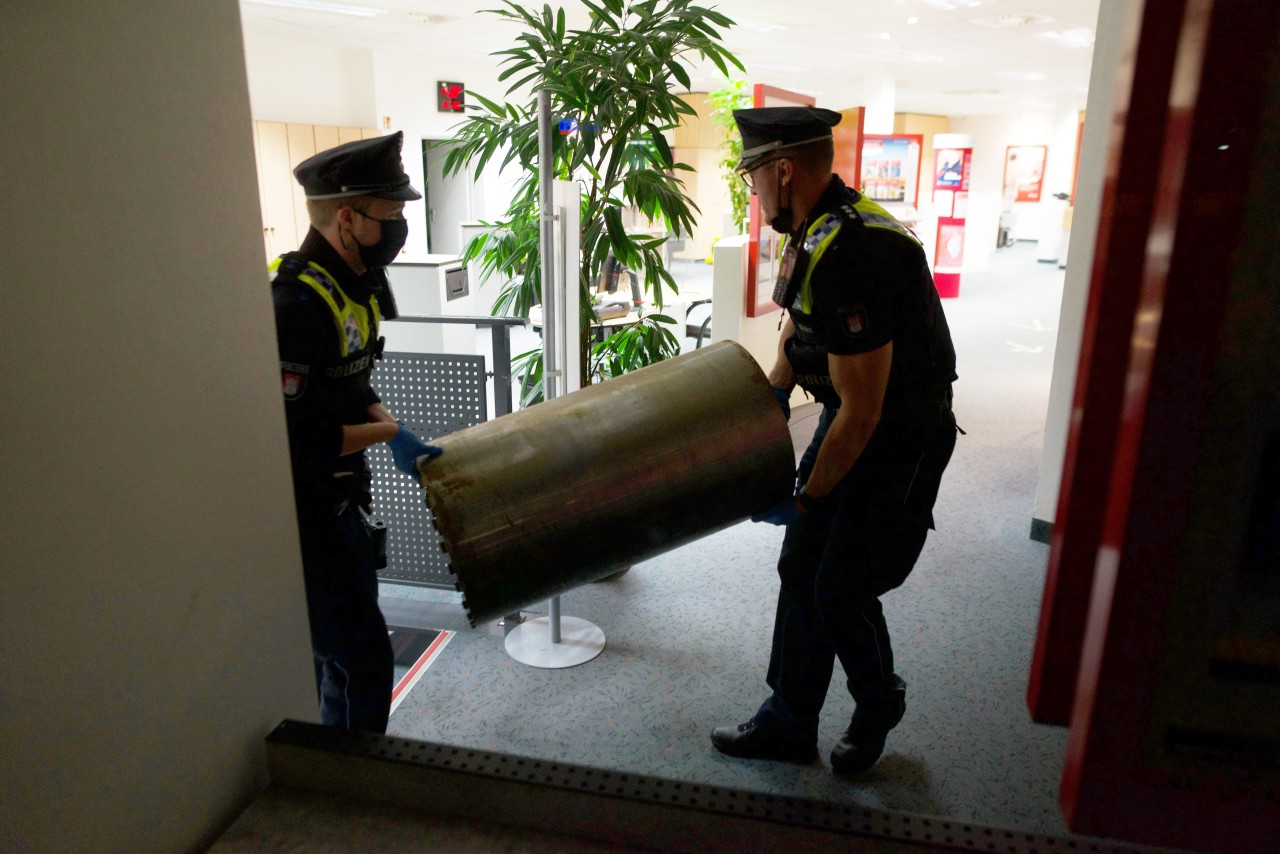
(153, 624)
(878, 91)
(1075, 292)
(1057, 178)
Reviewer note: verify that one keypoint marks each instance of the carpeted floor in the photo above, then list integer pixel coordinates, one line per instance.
(688, 632)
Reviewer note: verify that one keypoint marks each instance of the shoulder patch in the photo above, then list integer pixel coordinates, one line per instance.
(853, 319)
(293, 379)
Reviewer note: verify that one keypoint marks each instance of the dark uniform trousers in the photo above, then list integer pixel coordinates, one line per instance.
(834, 566)
(353, 657)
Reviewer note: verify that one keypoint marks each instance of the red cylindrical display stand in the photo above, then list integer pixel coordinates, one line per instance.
(952, 155)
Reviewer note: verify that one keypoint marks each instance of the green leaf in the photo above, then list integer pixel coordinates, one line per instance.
(617, 75)
(677, 70)
(660, 142)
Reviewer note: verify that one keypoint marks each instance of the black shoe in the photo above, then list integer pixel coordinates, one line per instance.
(863, 742)
(748, 741)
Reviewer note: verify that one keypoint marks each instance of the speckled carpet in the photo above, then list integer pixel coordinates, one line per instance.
(688, 632)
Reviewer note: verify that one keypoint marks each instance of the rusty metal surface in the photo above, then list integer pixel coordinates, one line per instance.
(566, 492)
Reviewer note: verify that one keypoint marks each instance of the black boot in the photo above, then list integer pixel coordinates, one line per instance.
(879, 709)
(751, 741)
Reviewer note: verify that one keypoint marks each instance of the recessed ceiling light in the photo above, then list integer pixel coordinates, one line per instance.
(913, 20)
(323, 6)
(885, 36)
(1080, 37)
(426, 19)
(1004, 22)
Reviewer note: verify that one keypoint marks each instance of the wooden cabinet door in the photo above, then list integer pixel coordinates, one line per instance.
(302, 144)
(278, 148)
(326, 137)
(276, 183)
(262, 201)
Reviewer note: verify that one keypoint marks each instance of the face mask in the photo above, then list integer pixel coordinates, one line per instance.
(394, 233)
(781, 221)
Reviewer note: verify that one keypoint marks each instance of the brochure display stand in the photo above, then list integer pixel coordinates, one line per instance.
(890, 174)
(953, 154)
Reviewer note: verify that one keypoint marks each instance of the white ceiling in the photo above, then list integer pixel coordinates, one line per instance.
(958, 57)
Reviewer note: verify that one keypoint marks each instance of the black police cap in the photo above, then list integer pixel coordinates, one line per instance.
(365, 167)
(768, 129)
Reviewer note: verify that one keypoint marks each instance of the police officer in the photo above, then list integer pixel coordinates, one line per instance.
(328, 297)
(866, 337)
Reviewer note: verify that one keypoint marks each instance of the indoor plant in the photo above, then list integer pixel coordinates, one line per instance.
(732, 96)
(611, 87)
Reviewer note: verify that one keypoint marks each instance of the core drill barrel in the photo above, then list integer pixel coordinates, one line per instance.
(571, 490)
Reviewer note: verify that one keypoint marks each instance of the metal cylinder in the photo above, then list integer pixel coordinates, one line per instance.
(571, 490)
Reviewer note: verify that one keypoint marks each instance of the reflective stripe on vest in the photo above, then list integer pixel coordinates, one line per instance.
(824, 230)
(356, 327)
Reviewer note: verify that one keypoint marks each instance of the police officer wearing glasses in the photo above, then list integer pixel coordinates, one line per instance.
(329, 298)
(866, 337)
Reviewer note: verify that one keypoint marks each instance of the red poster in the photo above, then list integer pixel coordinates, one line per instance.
(1024, 172)
(950, 252)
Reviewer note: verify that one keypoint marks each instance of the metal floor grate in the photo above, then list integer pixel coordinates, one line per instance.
(433, 395)
(481, 776)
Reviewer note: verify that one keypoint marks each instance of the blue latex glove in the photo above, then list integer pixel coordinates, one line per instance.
(783, 513)
(792, 510)
(407, 449)
(784, 400)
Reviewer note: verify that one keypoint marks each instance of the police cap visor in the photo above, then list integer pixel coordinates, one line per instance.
(365, 167)
(768, 129)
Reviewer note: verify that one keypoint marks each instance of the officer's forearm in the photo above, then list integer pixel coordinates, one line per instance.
(844, 443)
(379, 412)
(782, 376)
(357, 437)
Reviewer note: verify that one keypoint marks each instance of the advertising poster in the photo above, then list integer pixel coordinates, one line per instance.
(951, 168)
(950, 253)
(1024, 172)
(889, 168)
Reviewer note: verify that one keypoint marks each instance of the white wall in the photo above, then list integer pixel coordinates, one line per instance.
(387, 89)
(406, 93)
(991, 135)
(311, 84)
(1084, 232)
(152, 619)
(759, 336)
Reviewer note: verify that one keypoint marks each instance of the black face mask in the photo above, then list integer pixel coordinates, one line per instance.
(781, 221)
(394, 233)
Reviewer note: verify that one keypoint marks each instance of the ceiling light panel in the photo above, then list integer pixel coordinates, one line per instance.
(352, 9)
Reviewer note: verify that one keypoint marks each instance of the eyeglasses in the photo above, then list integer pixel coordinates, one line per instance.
(745, 174)
(375, 219)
